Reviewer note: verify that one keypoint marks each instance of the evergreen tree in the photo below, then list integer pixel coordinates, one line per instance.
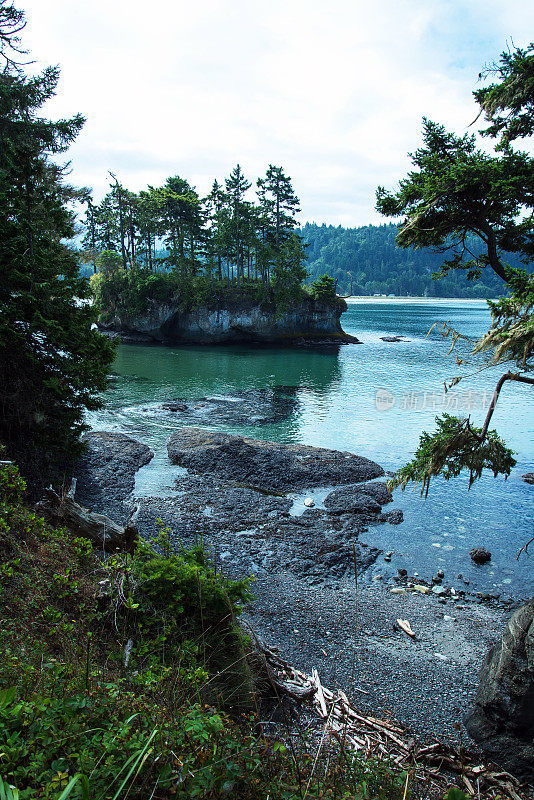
(279, 206)
(236, 188)
(51, 361)
(183, 220)
(457, 190)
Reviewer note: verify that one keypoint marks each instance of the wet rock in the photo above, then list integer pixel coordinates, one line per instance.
(251, 407)
(394, 517)
(529, 477)
(270, 465)
(480, 555)
(107, 468)
(351, 500)
(502, 722)
(378, 490)
(394, 339)
(175, 406)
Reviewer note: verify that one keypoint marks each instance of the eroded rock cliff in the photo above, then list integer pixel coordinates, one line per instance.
(309, 321)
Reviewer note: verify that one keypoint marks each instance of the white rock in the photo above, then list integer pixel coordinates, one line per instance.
(309, 503)
(419, 587)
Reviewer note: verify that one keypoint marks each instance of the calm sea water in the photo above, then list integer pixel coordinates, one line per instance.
(373, 399)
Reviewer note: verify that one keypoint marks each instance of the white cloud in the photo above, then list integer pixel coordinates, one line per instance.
(334, 94)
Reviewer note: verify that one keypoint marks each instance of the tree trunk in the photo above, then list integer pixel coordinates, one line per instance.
(104, 534)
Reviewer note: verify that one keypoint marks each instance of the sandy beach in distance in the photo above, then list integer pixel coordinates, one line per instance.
(371, 299)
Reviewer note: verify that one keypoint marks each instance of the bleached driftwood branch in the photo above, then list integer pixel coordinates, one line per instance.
(435, 762)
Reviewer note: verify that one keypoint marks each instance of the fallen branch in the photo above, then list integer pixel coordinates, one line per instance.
(104, 534)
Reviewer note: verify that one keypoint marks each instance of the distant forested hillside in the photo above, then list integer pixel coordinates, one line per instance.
(369, 256)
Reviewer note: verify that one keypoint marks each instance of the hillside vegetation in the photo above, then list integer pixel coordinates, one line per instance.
(370, 258)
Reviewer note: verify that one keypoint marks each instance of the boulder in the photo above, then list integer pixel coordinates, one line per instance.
(502, 722)
(480, 555)
(268, 465)
(351, 500)
(394, 517)
(378, 490)
(529, 477)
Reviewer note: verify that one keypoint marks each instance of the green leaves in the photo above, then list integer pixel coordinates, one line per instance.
(456, 191)
(52, 364)
(459, 191)
(453, 447)
(7, 696)
(513, 94)
(324, 288)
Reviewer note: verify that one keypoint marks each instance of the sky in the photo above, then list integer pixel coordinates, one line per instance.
(332, 92)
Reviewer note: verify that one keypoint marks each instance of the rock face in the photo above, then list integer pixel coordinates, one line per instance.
(269, 465)
(108, 467)
(502, 721)
(308, 322)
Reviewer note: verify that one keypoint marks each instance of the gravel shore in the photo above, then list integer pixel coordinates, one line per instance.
(305, 596)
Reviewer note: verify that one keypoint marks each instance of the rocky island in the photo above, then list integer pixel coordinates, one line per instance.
(247, 320)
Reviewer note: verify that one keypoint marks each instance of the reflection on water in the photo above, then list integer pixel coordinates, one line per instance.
(332, 396)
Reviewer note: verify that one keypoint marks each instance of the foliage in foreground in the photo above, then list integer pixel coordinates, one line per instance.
(453, 447)
(145, 691)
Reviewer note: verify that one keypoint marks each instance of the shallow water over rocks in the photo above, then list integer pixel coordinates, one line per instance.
(373, 399)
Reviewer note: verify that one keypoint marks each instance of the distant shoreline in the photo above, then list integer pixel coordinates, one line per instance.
(370, 299)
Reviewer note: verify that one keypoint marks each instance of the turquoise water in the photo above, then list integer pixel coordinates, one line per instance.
(337, 406)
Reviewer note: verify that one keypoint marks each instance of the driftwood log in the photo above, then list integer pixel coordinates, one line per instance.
(437, 764)
(104, 534)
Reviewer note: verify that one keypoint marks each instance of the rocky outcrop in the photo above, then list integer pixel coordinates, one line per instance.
(108, 467)
(270, 465)
(480, 555)
(309, 321)
(250, 407)
(367, 497)
(502, 722)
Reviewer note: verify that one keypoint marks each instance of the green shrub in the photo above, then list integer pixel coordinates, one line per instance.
(324, 288)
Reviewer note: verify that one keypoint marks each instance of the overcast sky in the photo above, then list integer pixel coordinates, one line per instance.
(333, 92)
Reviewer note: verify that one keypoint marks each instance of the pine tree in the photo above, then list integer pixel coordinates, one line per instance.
(236, 188)
(51, 361)
(279, 206)
(457, 191)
